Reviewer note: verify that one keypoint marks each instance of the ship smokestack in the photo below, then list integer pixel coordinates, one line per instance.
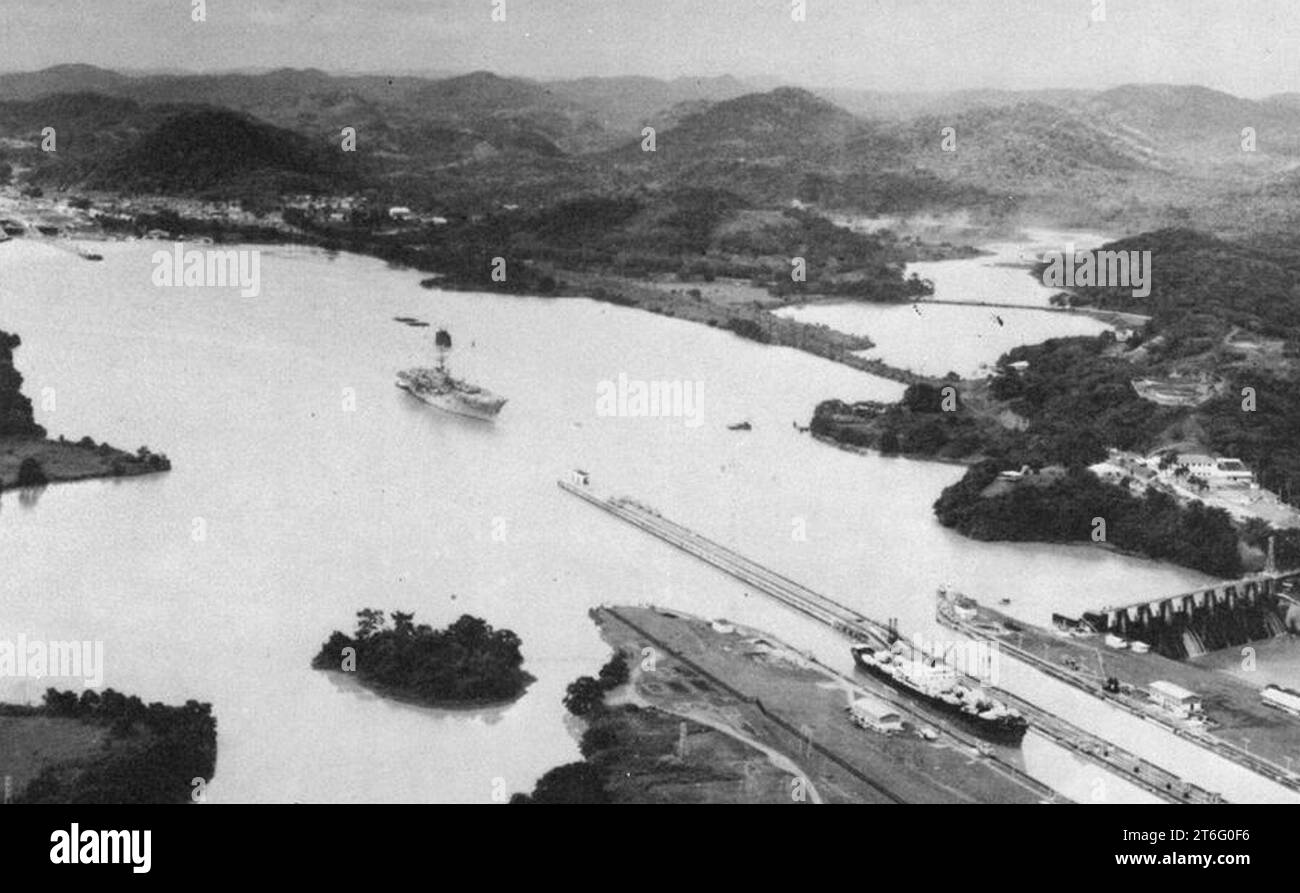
(442, 340)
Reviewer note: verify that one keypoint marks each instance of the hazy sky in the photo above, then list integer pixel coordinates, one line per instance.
(1246, 47)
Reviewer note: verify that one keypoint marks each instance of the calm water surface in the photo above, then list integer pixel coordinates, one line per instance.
(306, 486)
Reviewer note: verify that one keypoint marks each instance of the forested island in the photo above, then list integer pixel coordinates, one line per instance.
(107, 748)
(468, 664)
(29, 458)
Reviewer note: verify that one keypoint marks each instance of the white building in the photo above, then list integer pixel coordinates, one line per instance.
(1220, 470)
(1175, 699)
(399, 213)
(870, 713)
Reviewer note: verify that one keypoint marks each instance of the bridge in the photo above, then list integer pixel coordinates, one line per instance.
(1113, 317)
(857, 626)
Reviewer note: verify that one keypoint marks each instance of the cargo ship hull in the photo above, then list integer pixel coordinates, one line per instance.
(1002, 729)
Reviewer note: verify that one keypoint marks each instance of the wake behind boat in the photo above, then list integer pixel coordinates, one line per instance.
(436, 386)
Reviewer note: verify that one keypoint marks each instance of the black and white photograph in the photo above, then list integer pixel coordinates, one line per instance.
(530, 402)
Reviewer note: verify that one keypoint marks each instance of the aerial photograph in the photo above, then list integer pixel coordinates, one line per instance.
(476, 402)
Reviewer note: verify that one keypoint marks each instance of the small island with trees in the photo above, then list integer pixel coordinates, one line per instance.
(468, 664)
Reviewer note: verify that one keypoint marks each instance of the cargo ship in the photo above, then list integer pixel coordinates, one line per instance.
(436, 386)
(937, 685)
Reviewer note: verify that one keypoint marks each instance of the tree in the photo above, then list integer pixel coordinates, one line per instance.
(369, 622)
(403, 623)
(61, 703)
(615, 672)
(923, 397)
(584, 695)
(470, 630)
(571, 783)
(31, 474)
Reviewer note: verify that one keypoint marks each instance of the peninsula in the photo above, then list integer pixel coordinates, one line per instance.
(29, 458)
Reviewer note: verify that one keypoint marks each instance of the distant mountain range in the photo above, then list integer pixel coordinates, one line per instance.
(480, 139)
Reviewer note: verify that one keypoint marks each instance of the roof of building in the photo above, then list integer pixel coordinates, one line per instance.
(1281, 695)
(1177, 692)
(876, 709)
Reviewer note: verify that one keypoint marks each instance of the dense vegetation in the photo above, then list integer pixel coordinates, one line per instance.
(1063, 509)
(1201, 286)
(208, 152)
(154, 753)
(1225, 309)
(917, 426)
(586, 695)
(584, 782)
(16, 417)
(1226, 313)
(580, 782)
(468, 663)
(692, 233)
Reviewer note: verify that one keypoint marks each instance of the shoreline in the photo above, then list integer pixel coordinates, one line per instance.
(759, 688)
(391, 693)
(65, 461)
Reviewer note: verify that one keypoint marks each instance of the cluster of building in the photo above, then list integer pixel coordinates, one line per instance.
(348, 208)
(328, 209)
(1174, 469)
(1218, 481)
(1183, 704)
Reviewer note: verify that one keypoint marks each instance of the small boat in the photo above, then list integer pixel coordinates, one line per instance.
(740, 426)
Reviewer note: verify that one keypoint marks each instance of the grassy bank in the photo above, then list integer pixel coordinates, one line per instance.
(64, 460)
